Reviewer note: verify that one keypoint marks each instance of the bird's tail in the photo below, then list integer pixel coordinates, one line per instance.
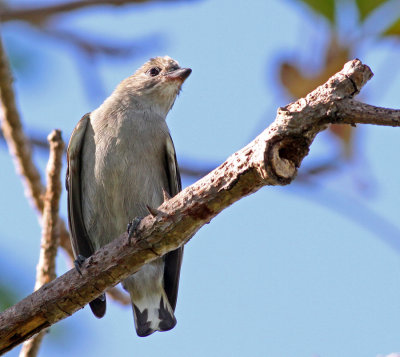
(98, 306)
(152, 313)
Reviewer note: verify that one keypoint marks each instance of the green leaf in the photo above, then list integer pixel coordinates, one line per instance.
(365, 7)
(7, 297)
(393, 29)
(325, 8)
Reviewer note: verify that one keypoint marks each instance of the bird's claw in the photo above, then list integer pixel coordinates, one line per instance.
(131, 228)
(78, 263)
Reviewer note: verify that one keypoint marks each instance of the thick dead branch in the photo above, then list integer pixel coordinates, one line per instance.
(271, 159)
(46, 268)
(20, 150)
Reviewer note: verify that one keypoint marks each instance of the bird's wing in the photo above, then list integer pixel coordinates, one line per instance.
(79, 238)
(173, 260)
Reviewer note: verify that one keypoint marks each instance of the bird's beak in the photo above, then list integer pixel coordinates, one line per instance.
(180, 74)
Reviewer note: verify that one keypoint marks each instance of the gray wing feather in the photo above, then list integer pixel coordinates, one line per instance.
(173, 260)
(79, 238)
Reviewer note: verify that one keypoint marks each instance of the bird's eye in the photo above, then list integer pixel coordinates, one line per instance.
(154, 71)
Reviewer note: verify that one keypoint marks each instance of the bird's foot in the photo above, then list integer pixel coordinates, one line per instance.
(78, 263)
(131, 228)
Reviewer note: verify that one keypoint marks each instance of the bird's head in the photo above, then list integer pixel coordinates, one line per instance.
(157, 83)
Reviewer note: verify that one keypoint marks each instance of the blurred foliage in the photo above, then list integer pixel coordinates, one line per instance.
(393, 30)
(7, 296)
(24, 60)
(297, 80)
(323, 7)
(298, 83)
(328, 8)
(365, 7)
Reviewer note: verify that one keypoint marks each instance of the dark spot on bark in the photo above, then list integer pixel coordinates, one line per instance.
(246, 190)
(354, 86)
(200, 212)
(15, 337)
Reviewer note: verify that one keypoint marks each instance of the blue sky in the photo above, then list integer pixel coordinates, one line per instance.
(277, 274)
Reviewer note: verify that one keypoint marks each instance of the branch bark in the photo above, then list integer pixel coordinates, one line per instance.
(271, 159)
(354, 112)
(46, 268)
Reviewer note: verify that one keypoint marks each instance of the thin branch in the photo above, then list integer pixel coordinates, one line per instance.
(198, 170)
(271, 159)
(46, 268)
(91, 47)
(20, 150)
(38, 15)
(354, 112)
(120, 296)
(18, 144)
(30, 348)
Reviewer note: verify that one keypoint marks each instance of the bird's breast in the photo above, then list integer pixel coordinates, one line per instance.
(123, 171)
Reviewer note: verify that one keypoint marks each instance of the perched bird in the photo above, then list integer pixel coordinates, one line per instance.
(121, 160)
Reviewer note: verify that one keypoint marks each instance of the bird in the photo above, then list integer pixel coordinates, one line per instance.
(121, 162)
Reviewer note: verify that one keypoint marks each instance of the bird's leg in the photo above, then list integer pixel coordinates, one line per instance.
(131, 228)
(78, 263)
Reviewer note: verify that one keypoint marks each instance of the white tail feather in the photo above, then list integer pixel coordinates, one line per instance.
(151, 308)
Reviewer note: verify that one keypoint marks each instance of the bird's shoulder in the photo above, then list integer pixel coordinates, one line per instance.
(77, 135)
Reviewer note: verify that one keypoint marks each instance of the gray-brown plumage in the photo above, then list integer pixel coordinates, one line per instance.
(121, 160)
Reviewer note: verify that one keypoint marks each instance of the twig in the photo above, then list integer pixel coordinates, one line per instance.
(91, 47)
(13, 132)
(20, 150)
(361, 113)
(118, 295)
(38, 15)
(271, 159)
(46, 268)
